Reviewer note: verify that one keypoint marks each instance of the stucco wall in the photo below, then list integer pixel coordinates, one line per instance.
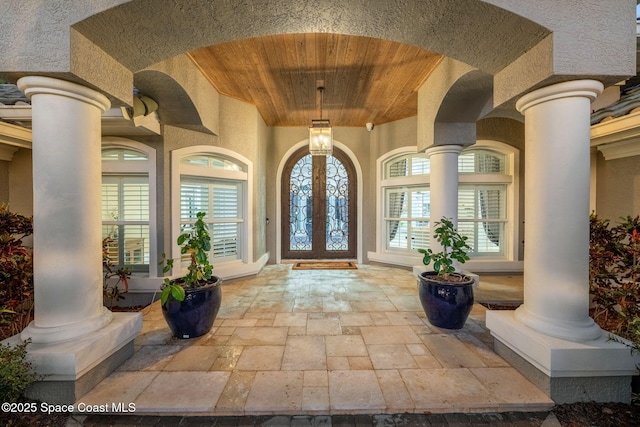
(389, 136)
(243, 131)
(21, 183)
(4, 181)
(618, 187)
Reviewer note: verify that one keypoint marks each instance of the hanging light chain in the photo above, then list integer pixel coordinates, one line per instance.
(321, 89)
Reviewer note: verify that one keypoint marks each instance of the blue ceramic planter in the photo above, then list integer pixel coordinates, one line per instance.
(447, 305)
(194, 316)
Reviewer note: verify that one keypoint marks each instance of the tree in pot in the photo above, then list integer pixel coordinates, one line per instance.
(190, 303)
(446, 296)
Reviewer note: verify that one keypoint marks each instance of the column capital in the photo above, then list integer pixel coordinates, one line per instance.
(445, 149)
(34, 85)
(576, 88)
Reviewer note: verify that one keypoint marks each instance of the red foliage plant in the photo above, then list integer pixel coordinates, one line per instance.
(614, 273)
(16, 270)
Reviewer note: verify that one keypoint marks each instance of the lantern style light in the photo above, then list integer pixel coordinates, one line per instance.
(320, 133)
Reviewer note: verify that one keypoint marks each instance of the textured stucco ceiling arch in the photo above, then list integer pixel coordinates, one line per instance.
(135, 33)
(186, 98)
(522, 44)
(450, 101)
(177, 107)
(472, 31)
(468, 99)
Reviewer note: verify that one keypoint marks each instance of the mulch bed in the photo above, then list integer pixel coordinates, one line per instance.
(598, 414)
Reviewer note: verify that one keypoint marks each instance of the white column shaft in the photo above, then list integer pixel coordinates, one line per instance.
(67, 209)
(556, 277)
(443, 185)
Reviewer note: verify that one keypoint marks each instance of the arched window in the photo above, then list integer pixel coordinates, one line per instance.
(128, 204)
(215, 181)
(487, 202)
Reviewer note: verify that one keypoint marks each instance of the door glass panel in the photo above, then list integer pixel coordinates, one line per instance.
(301, 205)
(337, 186)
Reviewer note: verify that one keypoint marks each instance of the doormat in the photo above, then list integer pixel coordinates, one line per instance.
(325, 265)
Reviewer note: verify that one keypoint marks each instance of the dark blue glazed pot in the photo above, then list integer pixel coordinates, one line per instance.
(446, 304)
(194, 316)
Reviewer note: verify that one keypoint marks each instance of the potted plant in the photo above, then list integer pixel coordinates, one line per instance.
(190, 303)
(446, 295)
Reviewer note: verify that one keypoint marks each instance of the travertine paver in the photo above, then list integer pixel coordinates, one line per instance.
(345, 345)
(183, 392)
(355, 391)
(319, 342)
(278, 391)
(443, 388)
(261, 358)
(304, 353)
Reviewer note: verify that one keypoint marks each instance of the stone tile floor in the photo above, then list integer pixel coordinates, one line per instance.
(318, 343)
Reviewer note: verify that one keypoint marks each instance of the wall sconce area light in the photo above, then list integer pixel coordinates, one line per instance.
(320, 133)
(143, 106)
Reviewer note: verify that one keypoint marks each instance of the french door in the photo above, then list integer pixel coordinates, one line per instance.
(318, 206)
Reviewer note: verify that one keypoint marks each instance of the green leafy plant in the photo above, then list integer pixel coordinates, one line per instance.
(15, 371)
(614, 275)
(196, 243)
(111, 289)
(454, 248)
(16, 271)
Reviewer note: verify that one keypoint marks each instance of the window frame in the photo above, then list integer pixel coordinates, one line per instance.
(141, 168)
(510, 178)
(244, 178)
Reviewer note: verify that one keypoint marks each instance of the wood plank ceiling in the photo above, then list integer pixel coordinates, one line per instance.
(365, 79)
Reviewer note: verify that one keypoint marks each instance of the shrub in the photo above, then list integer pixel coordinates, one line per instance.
(113, 277)
(16, 271)
(15, 372)
(614, 274)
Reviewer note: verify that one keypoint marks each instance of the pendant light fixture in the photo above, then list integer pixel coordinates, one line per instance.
(320, 133)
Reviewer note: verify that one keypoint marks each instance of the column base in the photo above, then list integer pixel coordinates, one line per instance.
(47, 336)
(70, 369)
(597, 370)
(587, 330)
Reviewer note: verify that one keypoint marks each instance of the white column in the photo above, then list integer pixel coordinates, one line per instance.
(67, 209)
(443, 185)
(557, 159)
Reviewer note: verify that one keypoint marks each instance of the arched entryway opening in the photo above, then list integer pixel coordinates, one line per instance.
(318, 206)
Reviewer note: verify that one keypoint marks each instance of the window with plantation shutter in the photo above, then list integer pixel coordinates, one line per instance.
(407, 218)
(126, 207)
(485, 183)
(221, 201)
(214, 184)
(482, 217)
